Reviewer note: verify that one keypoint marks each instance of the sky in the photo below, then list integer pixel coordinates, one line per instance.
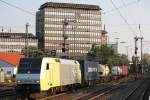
(122, 23)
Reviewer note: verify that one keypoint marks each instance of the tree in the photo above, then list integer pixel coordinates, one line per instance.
(106, 55)
(101, 54)
(123, 60)
(32, 51)
(146, 60)
(51, 53)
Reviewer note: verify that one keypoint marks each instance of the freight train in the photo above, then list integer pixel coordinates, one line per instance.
(107, 74)
(54, 74)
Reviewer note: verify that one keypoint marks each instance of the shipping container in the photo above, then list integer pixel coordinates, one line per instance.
(103, 70)
(104, 73)
(89, 71)
(125, 70)
(116, 71)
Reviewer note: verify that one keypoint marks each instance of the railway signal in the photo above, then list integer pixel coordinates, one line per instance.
(136, 49)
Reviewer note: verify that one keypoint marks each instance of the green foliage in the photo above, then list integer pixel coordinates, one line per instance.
(146, 60)
(51, 53)
(132, 68)
(32, 51)
(106, 55)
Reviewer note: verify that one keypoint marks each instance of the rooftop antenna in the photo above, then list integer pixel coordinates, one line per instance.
(2, 29)
(10, 30)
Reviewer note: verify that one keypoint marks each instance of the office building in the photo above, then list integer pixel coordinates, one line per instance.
(15, 42)
(73, 26)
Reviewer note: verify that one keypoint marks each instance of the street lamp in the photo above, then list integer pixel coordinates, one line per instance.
(26, 37)
(125, 47)
(117, 43)
(26, 42)
(127, 50)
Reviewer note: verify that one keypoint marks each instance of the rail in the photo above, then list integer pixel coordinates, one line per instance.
(98, 93)
(8, 92)
(129, 96)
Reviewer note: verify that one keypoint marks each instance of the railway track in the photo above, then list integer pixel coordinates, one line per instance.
(98, 93)
(8, 84)
(7, 93)
(138, 92)
(55, 96)
(75, 95)
(88, 94)
(109, 92)
(146, 93)
(69, 94)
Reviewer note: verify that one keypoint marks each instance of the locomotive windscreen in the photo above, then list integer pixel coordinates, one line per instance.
(30, 65)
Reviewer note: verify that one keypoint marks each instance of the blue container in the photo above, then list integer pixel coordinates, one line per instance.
(89, 70)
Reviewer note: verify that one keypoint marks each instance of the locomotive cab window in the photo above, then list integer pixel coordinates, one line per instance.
(31, 64)
(47, 66)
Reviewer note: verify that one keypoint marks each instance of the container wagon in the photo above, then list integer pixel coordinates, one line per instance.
(116, 72)
(104, 73)
(89, 72)
(47, 74)
(124, 70)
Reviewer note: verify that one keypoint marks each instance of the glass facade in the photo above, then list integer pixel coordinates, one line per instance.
(82, 27)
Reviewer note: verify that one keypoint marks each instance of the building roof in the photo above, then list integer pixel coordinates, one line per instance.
(104, 32)
(11, 58)
(69, 5)
(5, 64)
(16, 35)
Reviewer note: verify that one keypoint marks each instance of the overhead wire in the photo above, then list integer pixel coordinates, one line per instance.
(122, 6)
(146, 42)
(140, 24)
(116, 8)
(128, 12)
(19, 8)
(124, 19)
(132, 16)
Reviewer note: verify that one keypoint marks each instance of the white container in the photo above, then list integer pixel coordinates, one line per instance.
(116, 70)
(103, 70)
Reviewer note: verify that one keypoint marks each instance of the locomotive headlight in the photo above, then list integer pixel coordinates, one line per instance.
(18, 81)
(37, 82)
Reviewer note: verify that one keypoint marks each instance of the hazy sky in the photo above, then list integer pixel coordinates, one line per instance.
(135, 12)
